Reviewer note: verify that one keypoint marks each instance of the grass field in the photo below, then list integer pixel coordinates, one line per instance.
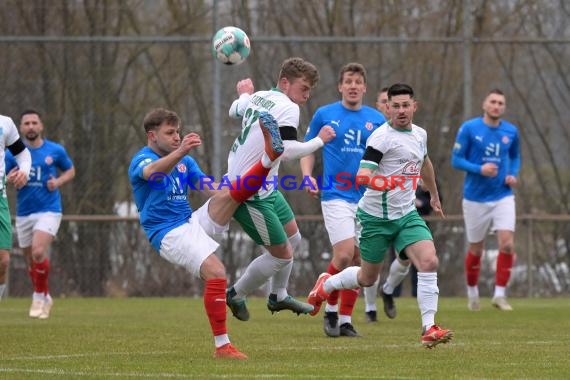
(164, 338)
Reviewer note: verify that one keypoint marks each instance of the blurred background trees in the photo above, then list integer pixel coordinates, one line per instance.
(95, 67)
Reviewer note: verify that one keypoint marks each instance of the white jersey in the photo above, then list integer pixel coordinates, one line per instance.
(8, 136)
(397, 175)
(249, 146)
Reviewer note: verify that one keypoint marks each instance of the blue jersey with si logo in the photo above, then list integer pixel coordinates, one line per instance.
(162, 199)
(478, 143)
(35, 197)
(341, 156)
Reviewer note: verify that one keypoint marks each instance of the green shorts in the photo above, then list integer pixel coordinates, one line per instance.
(5, 222)
(376, 235)
(263, 219)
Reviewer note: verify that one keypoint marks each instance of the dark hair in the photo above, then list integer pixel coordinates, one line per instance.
(157, 117)
(383, 89)
(352, 67)
(400, 89)
(30, 112)
(293, 68)
(495, 91)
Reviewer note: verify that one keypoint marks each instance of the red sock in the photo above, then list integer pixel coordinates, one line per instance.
(333, 297)
(504, 265)
(41, 273)
(32, 275)
(215, 304)
(472, 268)
(249, 183)
(348, 298)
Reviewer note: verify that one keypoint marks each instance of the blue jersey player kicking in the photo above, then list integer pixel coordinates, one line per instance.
(161, 174)
(487, 149)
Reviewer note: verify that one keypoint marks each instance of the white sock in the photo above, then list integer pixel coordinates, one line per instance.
(38, 296)
(266, 161)
(428, 295)
(258, 272)
(220, 340)
(370, 294)
(473, 291)
(331, 308)
(342, 319)
(500, 291)
(2, 288)
(346, 279)
(395, 277)
(280, 280)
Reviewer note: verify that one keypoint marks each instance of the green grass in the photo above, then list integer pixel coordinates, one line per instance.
(170, 338)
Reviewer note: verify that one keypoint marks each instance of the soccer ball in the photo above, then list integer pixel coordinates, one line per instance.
(230, 45)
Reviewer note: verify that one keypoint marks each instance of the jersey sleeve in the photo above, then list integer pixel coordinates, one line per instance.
(11, 132)
(376, 146)
(460, 148)
(314, 126)
(424, 137)
(9, 161)
(514, 156)
(239, 105)
(63, 161)
(138, 164)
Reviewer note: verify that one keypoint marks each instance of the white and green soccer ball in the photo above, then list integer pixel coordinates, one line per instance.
(230, 45)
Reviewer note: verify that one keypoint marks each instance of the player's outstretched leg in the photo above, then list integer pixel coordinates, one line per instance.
(271, 135)
(252, 180)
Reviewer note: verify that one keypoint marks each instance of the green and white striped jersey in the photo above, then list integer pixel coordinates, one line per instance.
(391, 192)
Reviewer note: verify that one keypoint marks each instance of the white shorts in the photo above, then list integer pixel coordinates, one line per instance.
(340, 219)
(191, 243)
(41, 221)
(212, 228)
(479, 215)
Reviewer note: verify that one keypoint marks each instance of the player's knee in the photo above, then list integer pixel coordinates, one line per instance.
(281, 251)
(295, 241)
(429, 263)
(343, 259)
(212, 267)
(476, 249)
(367, 280)
(507, 247)
(38, 254)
